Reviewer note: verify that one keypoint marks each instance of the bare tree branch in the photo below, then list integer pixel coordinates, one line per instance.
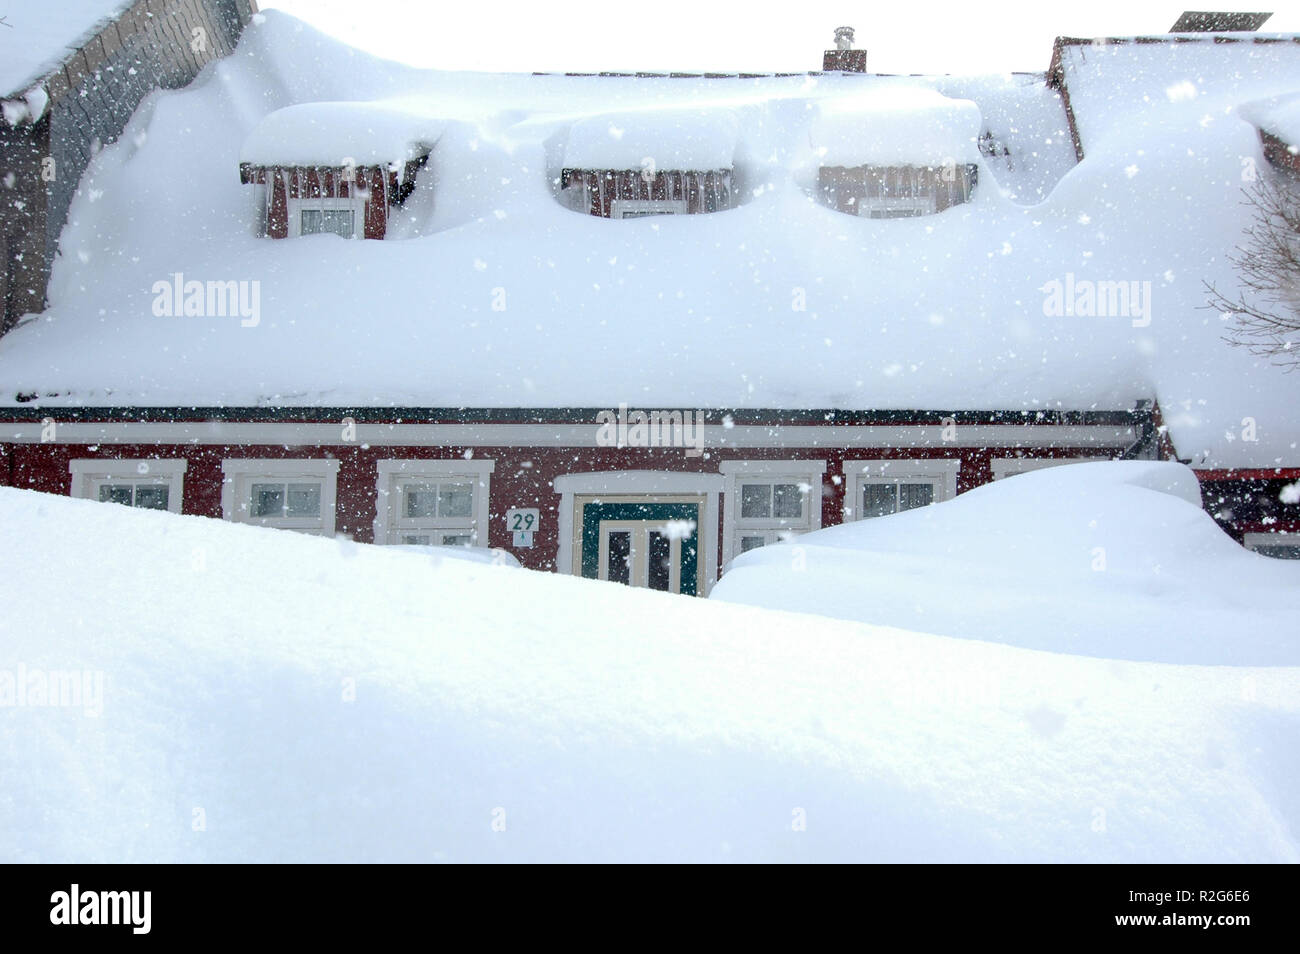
(1265, 315)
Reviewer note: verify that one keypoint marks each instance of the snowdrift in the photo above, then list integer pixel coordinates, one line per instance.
(1114, 558)
(274, 697)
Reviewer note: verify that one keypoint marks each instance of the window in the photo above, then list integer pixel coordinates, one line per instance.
(899, 192)
(1280, 546)
(148, 484)
(878, 488)
(441, 503)
(767, 501)
(337, 216)
(638, 208)
(1010, 466)
(289, 494)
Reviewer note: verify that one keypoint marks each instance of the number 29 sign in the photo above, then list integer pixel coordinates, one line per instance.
(522, 522)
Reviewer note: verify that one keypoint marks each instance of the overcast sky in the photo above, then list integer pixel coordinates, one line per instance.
(923, 36)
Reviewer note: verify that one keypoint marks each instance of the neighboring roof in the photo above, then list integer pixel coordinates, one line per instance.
(669, 138)
(489, 293)
(1203, 21)
(1277, 115)
(38, 35)
(1129, 86)
(332, 134)
(898, 125)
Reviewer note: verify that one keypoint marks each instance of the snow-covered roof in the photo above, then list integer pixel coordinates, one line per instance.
(896, 125)
(38, 35)
(679, 139)
(331, 134)
(1276, 115)
(489, 292)
(1131, 87)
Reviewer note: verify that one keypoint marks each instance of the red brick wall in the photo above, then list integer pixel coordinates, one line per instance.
(522, 477)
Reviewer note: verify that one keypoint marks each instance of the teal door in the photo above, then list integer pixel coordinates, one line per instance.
(645, 543)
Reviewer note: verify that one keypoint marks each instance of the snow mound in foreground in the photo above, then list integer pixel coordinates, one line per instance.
(1114, 559)
(269, 696)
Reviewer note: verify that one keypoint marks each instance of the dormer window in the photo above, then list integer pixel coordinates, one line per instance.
(894, 192)
(650, 162)
(335, 168)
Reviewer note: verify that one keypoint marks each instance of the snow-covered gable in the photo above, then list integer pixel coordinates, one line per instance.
(896, 125)
(488, 292)
(679, 139)
(388, 133)
(1129, 87)
(38, 35)
(1277, 115)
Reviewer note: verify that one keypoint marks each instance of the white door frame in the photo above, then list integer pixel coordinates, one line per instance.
(640, 483)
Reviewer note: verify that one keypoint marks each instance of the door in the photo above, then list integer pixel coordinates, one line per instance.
(651, 542)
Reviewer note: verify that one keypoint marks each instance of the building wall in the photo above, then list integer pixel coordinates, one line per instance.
(522, 477)
(151, 45)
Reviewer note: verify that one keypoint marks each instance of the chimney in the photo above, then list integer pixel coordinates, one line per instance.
(844, 58)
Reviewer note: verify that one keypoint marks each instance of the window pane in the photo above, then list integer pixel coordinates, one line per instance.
(756, 500)
(455, 500)
(915, 495)
(416, 539)
(421, 500)
(457, 539)
(267, 500)
(303, 500)
(661, 550)
(620, 556)
(1279, 551)
(788, 501)
(115, 493)
(750, 543)
(152, 496)
(879, 500)
(337, 221)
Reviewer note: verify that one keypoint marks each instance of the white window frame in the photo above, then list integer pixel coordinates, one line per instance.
(392, 473)
(1254, 541)
(1010, 466)
(738, 472)
(618, 207)
(89, 474)
(240, 473)
(356, 203)
(922, 204)
(939, 472)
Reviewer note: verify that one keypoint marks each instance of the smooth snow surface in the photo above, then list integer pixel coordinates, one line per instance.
(1114, 559)
(590, 721)
(653, 139)
(490, 293)
(331, 134)
(896, 126)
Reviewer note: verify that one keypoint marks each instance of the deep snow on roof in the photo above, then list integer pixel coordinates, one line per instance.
(680, 139)
(488, 292)
(40, 34)
(335, 134)
(885, 126)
